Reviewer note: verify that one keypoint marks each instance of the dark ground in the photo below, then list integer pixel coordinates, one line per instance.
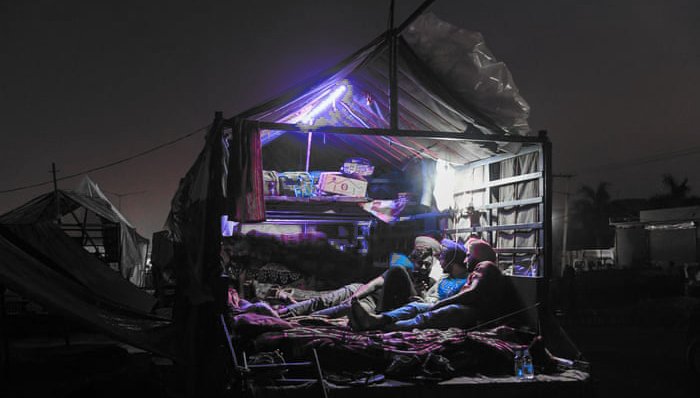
(637, 361)
(637, 350)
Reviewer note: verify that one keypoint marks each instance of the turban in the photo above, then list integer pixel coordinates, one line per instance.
(453, 252)
(426, 242)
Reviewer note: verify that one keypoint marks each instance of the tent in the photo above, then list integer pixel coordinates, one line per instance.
(90, 218)
(47, 262)
(424, 92)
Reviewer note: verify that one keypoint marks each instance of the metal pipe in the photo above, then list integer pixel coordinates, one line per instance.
(469, 135)
(547, 221)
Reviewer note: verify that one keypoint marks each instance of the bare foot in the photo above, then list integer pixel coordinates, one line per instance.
(363, 319)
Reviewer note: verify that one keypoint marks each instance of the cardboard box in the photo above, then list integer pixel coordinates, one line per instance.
(339, 184)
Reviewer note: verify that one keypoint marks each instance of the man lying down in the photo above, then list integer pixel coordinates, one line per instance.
(394, 288)
(469, 289)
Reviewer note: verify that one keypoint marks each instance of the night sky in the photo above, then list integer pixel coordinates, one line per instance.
(87, 83)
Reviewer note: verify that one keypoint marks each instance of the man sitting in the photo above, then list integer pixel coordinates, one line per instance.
(479, 297)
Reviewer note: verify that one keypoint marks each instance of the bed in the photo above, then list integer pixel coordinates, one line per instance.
(297, 356)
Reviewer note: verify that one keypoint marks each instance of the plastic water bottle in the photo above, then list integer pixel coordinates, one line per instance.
(518, 364)
(528, 370)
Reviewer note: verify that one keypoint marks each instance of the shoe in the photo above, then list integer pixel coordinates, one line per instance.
(364, 320)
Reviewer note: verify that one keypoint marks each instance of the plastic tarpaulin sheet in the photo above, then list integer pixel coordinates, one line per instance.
(448, 81)
(133, 246)
(32, 278)
(61, 253)
(89, 196)
(461, 60)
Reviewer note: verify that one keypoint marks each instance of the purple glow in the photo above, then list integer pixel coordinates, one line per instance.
(309, 117)
(335, 94)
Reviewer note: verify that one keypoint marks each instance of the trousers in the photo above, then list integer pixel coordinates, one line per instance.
(325, 304)
(421, 316)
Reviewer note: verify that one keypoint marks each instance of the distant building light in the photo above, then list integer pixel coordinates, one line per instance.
(670, 226)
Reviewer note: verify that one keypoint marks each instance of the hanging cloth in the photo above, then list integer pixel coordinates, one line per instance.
(245, 200)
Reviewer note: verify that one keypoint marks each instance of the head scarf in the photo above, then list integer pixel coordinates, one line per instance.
(478, 251)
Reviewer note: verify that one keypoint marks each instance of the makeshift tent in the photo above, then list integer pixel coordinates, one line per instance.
(423, 92)
(433, 94)
(46, 262)
(27, 268)
(90, 218)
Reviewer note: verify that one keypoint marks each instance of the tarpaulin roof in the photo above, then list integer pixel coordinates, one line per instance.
(448, 81)
(89, 196)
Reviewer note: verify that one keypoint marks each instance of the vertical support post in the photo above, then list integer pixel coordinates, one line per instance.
(319, 372)
(565, 233)
(55, 193)
(308, 150)
(4, 343)
(145, 262)
(547, 221)
(393, 83)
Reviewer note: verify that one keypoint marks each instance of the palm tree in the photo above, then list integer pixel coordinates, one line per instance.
(676, 194)
(591, 216)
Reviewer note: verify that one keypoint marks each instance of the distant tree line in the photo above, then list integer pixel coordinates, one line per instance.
(592, 209)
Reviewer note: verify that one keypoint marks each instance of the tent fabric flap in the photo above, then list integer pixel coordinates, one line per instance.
(244, 180)
(48, 241)
(34, 279)
(194, 219)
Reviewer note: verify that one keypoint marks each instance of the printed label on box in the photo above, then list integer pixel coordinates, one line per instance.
(341, 185)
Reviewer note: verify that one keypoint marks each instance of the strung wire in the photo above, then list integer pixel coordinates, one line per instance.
(108, 165)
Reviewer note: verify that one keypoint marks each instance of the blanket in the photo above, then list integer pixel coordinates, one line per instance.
(428, 354)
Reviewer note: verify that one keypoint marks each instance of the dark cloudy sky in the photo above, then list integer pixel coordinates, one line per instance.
(86, 83)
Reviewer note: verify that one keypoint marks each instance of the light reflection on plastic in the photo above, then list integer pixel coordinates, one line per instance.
(309, 117)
